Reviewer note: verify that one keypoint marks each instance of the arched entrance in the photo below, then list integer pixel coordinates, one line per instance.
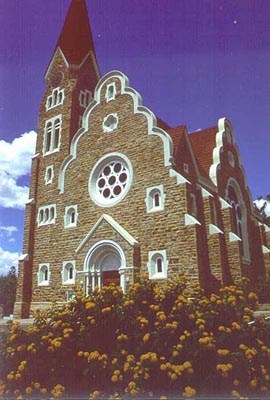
(102, 265)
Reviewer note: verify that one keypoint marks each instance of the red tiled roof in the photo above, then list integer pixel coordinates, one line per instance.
(203, 143)
(76, 38)
(176, 135)
(163, 125)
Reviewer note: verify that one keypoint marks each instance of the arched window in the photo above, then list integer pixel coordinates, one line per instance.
(68, 272)
(44, 274)
(56, 98)
(46, 215)
(155, 198)
(49, 174)
(157, 264)
(52, 134)
(71, 216)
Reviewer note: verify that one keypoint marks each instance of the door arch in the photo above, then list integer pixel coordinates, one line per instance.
(103, 264)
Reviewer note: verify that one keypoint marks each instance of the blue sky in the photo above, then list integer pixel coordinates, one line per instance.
(193, 62)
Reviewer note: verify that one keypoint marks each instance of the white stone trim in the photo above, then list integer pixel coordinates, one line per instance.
(57, 51)
(204, 192)
(110, 96)
(224, 204)
(67, 223)
(115, 225)
(180, 179)
(96, 197)
(265, 249)
(65, 279)
(23, 257)
(40, 278)
(234, 238)
(59, 95)
(266, 227)
(213, 229)
(44, 216)
(53, 148)
(149, 199)
(85, 97)
(48, 181)
(107, 126)
(191, 220)
(30, 201)
(153, 129)
(153, 256)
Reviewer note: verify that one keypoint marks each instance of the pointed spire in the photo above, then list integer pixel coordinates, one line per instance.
(76, 38)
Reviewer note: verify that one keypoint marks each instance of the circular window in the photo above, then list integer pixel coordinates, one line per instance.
(110, 179)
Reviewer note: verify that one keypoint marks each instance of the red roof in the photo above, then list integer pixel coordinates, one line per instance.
(76, 38)
(203, 142)
(176, 135)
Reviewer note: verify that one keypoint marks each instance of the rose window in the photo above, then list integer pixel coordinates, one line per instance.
(110, 180)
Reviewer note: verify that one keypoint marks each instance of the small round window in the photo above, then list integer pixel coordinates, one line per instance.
(110, 179)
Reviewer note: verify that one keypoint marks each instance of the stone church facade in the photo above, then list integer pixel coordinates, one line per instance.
(115, 191)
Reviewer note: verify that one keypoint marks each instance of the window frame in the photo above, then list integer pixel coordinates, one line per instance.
(56, 98)
(85, 97)
(110, 96)
(41, 272)
(46, 215)
(151, 192)
(48, 168)
(67, 265)
(67, 217)
(153, 264)
(52, 135)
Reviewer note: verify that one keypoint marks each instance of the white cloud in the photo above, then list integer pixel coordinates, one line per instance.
(7, 260)
(15, 157)
(260, 203)
(7, 231)
(12, 195)
(15, 162)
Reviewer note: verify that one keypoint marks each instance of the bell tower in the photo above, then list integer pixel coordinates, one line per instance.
(70, 80)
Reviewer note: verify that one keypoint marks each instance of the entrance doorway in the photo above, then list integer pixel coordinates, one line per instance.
(103, 264)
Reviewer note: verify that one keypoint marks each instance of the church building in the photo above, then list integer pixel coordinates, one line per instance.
(116, 192)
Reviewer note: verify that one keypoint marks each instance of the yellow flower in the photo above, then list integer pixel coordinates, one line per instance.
(189, 392)
(253, 383)
(89, 305)
(28, 390)
(114, 378)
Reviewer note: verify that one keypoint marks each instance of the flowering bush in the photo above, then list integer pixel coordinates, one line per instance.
(157, 340)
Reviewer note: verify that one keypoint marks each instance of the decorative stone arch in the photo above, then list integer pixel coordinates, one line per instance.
(239, 215)
(105, 263)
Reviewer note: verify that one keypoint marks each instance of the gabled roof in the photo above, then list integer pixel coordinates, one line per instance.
(177, 135)
(75, 39)
(203, 142)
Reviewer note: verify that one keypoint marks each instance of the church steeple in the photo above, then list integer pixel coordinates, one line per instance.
(75, 39)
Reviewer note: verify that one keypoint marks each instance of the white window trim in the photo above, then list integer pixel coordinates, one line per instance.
(149, 200)
(46, 210)
(68, 224)
(152, 258)
(107, 128)
(65, 280)
(109, 96)
(85, 97)
(59, 99)
(93, 192)
(52, 149)
(48, 181)
(42, 282)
